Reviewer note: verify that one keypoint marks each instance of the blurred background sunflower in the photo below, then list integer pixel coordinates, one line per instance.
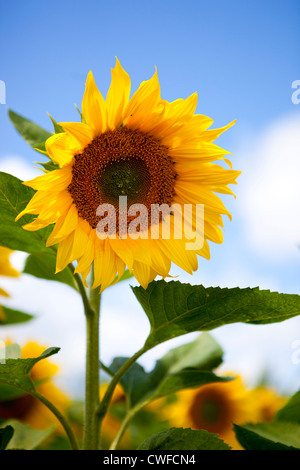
(6, 268)
(23, 407)
(215, 407)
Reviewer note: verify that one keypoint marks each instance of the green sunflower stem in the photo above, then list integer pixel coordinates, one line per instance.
(91, 434)
(129, 416)
(91, 423)
(103, 406)
(63, 421)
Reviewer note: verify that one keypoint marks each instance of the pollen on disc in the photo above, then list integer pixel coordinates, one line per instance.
(121, 162)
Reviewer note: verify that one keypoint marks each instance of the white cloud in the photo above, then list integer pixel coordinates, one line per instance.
(17, 166)
(269, 189)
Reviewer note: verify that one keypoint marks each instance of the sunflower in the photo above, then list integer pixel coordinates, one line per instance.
(28, 409)
(146, 149)
(214, 408)
(5, 267)
(266, 403)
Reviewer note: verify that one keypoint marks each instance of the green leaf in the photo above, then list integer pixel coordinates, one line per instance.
(55, 443)
(35, 136)
(9, 316)
(8, 393)
(184, 439)
(183, 367)
(277, 435)
(5, 436)
(143, 425)
(16, 372)
(203, 353)
(25, 437)
(187, 378)
(14, 197)
(291, 411)
(31, 132)
(43, 265)
(175, 309)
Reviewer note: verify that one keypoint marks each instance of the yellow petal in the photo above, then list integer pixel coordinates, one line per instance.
(202, 151)
(213, 134)
(84, 275)
(140, 249)
(159, 261)
(143, 273)
(60, 149)
(121, 266)
(87, 258)
(93, 106)
(120, 248)
(50, 213)
(81, 236)
(210, 175)
(175, 250)
(172, 130)
(64, 251)
(6, 268)
(4, 294)
(213, 233)
(182, 108)
(39, 200)
(118, 95)
(197, 194)
(104, 267)
(56, 180)
(82, 133)
(204, 251)
(56, 207)
(143, 103)
(64, 226)
(36, 225)
(223, 189)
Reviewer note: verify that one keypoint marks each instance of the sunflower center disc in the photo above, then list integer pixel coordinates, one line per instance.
(211, 410)
(17, 408)
(124, 178)
(121, 162)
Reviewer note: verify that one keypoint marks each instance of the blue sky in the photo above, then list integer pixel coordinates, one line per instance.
(241, 58)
